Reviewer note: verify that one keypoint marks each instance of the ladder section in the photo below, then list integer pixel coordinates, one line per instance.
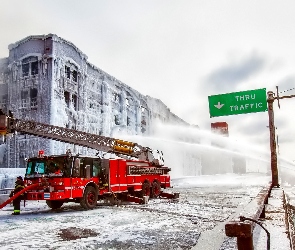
(101, 143)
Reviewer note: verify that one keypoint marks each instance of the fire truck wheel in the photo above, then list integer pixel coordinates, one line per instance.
(54, 204)
(89, 199)
(146, 189)
(156, 189)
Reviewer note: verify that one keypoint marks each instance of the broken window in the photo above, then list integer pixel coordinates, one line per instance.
(24, 94)
(117, 121)
(68, 72)
(128, 121)
(75, 76)
(116, 97)
(30, 66)
(33, 96)
(26, 68)
(34, 68)
(71, 72)
(75, 102)
(67, 98)
(24, 103)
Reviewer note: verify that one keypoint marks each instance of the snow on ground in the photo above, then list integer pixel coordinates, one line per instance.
(205, 203)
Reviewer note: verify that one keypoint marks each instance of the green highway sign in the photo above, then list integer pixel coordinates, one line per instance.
(250, 101)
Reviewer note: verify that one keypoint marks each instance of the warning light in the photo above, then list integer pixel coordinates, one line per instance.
(41, 153)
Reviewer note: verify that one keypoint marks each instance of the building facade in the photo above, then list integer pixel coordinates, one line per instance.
(49, 80)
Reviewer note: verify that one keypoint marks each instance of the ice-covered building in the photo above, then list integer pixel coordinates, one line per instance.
(48, 79)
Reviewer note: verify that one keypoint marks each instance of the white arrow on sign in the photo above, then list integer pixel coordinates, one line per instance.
(219, 105)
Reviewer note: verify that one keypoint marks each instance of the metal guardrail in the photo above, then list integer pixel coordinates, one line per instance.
(5, 190)
(243, 229)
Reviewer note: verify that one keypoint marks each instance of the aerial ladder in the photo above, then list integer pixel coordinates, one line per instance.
(9, 124)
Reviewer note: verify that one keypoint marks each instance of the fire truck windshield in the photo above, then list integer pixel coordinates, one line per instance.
(48, 167)
(35, 167)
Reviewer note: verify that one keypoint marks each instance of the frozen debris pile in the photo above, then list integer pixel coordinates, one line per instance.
(74, 233)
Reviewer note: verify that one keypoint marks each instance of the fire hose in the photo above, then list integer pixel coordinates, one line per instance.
(20, 193)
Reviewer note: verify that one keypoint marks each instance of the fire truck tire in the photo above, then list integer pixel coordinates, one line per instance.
(146, 189)
(54, 204)
(156, 189)
(89, 199)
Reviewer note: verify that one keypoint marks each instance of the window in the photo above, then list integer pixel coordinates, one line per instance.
(116, 97)
(71, 73)
(117, 121)
(34, 68)
(75, 102)
(96, 168)
(67, 98)
(128, 121)
(35, 167)
(75, 76)
(26, 68)
(33, 97)
(30, 66)
(24, 98)
(68, 72)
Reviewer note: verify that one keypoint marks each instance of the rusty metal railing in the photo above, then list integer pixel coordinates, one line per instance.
(243, 229)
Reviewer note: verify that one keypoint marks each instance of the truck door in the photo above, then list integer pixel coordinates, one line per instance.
(104, 174)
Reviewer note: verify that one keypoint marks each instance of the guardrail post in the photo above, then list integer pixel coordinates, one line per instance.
(245, 243)
(242, 227)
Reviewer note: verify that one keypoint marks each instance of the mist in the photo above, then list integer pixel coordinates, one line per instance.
(190, 151)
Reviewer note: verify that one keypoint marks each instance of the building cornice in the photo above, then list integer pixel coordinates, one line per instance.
(54, 38)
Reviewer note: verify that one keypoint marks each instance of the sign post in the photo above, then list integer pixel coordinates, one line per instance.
(250, 101)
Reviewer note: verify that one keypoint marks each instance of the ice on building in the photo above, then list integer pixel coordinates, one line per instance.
(48, 79)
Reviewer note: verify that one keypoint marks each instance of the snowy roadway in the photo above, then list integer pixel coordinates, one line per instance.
(205, 203)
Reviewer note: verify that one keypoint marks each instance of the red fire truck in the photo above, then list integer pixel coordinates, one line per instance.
(134, 175)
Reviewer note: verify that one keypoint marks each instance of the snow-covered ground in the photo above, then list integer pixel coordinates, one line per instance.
(205, 203)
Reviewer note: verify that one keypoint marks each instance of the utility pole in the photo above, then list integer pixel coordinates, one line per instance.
(272, 134)
(272, 137)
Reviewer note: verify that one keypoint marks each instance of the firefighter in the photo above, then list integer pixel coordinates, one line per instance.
(19, 185)
(103, 181)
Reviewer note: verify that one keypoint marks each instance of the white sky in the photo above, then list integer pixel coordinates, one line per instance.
(178, 51)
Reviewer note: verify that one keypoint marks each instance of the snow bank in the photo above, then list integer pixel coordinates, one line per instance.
(222, 180)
